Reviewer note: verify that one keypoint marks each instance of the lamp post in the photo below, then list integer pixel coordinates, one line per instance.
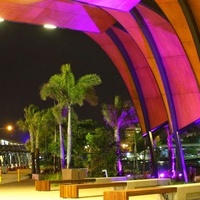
(7, 127)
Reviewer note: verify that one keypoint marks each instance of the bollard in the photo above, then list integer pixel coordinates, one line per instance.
(105, 172)
(18, 175)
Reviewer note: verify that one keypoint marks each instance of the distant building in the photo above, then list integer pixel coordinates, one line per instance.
(13, 155)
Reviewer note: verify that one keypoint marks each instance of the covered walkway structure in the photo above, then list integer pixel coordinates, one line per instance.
(13, 156)
(154, 44)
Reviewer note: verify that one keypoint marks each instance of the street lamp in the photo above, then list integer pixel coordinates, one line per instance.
(7, 127)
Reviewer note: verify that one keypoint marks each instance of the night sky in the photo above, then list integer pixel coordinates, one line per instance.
(30, 55)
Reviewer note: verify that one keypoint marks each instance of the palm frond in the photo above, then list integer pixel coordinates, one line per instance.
(119, 115)
(67, 77)
(89, 80)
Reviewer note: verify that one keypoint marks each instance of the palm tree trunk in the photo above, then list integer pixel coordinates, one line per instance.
(33, 162)
(69, 138)
(62, 152)
(144, 160)
(32, 153)
(118, 152)
(55, 157)
(171, 156)
(37, 161)
(135, 153)
(135, 157)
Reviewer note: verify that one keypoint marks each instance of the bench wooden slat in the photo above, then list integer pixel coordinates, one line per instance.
(72, 191)
(125, 194)
(45, 185)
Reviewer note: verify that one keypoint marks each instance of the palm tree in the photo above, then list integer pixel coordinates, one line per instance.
(67, 92)
(54, 90)
(39, 120)
(28, 125)
(119, 115)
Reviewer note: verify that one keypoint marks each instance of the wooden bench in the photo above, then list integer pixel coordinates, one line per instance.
(125, 194)
(72, 191)
(45, 185)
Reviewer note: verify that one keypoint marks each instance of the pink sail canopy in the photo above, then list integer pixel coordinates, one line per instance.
(155, 46)
(157, 57)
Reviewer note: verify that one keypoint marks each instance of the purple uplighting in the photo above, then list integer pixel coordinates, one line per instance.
(161, 175)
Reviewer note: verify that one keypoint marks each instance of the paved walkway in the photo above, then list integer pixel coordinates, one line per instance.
(11, 187)
(14, 176)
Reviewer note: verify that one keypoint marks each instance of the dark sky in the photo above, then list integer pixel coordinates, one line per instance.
(30, 55)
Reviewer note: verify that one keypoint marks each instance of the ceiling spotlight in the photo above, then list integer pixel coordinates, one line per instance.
(50, 26)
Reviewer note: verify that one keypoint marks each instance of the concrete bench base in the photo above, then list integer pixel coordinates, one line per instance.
(125, 194)
(72, 191)
(188, 191)
(132, 184)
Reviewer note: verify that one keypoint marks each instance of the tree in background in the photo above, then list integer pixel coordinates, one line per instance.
(100, 152)
(27, 124)
(49, 147)
(135, 142)
(119, 115)
(37, 122)
(79, 142)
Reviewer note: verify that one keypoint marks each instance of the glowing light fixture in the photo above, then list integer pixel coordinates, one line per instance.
(9, 128)
(50, 26)
(1, 19)
(162, 175)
